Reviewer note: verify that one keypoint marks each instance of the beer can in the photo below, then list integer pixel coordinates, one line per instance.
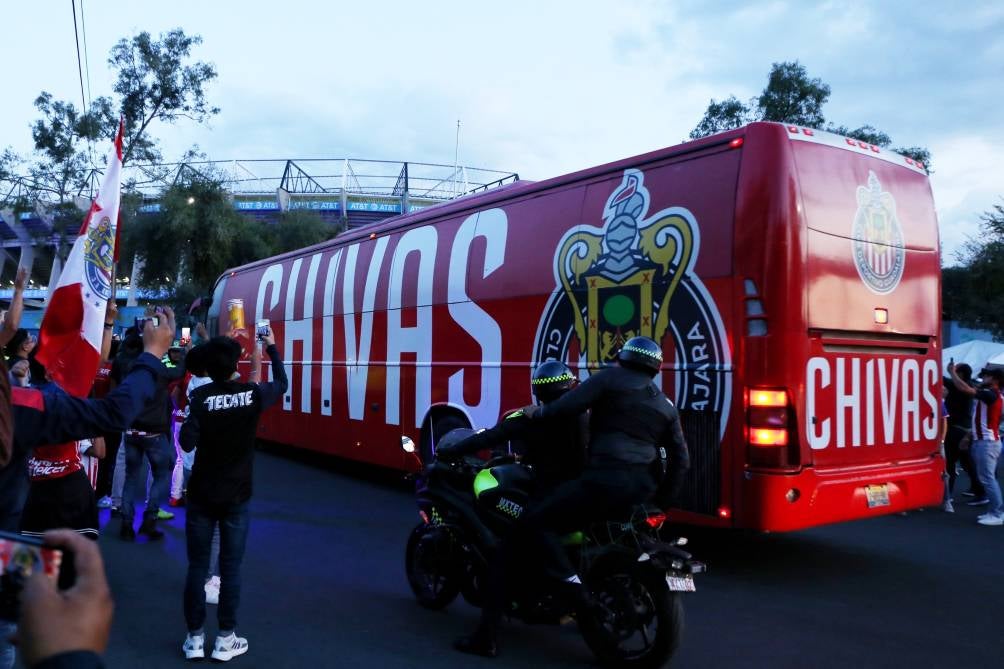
(235, 312)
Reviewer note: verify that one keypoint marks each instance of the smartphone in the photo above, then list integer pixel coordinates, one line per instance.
(186, 333)
(140, 323)
(20, 557)
(261, 328)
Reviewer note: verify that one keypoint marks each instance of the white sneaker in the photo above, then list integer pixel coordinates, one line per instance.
(213, 590)
(947, 506)
(991, 519)
(194, 647)
(229, 647)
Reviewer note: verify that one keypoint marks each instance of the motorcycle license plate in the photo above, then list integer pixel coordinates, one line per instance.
(877, 495)
(683, 583)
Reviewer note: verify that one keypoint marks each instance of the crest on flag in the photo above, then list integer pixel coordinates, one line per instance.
(878, 238)
(99, 252)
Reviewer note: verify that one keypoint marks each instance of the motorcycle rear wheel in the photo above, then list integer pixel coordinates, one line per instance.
(635, 621)
(430, 564)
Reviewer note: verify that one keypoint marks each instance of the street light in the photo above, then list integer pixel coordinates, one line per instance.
(191, 199)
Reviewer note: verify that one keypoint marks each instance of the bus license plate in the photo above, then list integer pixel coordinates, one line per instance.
(680, 583)
(878, 495)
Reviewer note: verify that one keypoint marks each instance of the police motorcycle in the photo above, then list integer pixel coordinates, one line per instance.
(635, 577)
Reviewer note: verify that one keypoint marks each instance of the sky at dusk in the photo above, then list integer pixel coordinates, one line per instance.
(541, 88)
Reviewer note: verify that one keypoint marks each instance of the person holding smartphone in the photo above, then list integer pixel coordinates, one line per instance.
(67, 629)
(40, 417)
(222, 422)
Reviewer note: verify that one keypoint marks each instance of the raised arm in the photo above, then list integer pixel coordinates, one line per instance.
(960, 385)
(255, 375)
(111, 313)
(13, 320)
(272, 391)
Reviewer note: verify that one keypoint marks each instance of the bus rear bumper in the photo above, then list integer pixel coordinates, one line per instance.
(817, 496)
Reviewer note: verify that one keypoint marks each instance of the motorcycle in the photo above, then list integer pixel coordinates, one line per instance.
(635, 577)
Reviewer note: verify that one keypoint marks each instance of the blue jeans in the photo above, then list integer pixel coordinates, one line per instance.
(158, 451)
(985, 455)
(233, 522)
(6, 649)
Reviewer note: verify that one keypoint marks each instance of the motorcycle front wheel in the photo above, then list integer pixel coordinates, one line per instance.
(432, 567)
(633, 619)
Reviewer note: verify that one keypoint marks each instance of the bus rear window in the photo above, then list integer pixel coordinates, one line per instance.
(864, 198)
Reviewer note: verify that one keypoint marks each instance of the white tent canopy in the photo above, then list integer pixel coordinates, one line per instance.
(976, 354)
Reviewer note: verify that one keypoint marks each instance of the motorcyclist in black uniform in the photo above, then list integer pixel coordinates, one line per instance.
(631, 422)
(555, 449)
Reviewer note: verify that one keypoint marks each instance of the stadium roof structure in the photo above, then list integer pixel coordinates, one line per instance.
(352, 191)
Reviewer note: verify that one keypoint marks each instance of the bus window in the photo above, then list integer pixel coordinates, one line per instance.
(213, 315)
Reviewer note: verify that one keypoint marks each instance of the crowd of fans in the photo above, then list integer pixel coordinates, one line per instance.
(154, 402)
(973, 409)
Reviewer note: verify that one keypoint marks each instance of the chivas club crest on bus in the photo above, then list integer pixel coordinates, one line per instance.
(878, 238)
(619, 280)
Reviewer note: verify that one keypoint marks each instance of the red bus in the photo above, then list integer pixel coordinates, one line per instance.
(791, 275)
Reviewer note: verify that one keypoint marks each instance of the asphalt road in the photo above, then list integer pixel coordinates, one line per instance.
(324, 586)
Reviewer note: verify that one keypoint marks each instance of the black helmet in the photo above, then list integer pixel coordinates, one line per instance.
(551, 380)
(641, 353)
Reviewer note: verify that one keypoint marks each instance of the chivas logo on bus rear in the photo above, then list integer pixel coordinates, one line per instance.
(632, 276)
(878, 239)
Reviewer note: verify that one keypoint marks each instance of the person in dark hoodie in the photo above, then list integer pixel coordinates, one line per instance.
(222, 422)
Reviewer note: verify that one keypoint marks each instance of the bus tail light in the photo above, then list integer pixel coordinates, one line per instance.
(766, 397)
(768, 428)
(768, 436)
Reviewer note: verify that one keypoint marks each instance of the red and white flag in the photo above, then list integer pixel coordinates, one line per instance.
(69, 343)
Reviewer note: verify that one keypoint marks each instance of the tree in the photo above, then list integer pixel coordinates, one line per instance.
(299, 229)
(792, 96)
(194, 237)
(62, 140)
(973, 293)
(197, 235)
(155, 84)
(155, 81)
(728, 114)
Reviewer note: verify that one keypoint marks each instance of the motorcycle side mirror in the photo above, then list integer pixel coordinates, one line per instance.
(407, 445)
